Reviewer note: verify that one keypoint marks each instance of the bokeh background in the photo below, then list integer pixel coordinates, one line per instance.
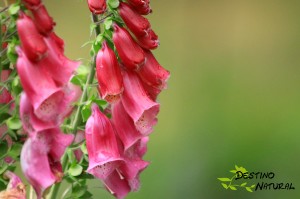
(233, 96)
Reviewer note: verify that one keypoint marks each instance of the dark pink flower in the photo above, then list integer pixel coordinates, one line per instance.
(32, 4)
(149, 41)
(141, 6)
(137, 104)
(102, 146)
(97, 6)
(124, 125)
(32, 42)
(152, 73)
(40, 158)
(117, 185)
(79, 137)
(43, 21)
(109, 74)
(5, 96)
(151, 91)
(136, 23)
(129, 51)
(15, 188)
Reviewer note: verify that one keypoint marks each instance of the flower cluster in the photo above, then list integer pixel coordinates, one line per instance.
(131, 83)
(47, 96)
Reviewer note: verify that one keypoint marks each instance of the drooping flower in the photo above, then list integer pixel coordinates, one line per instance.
(137, 104)
(32, 3)
(97, 6)
(131, 54)
(152, 73)
(136, 23)
(40, 158)
(125, 126)
(149, 41)
(15, 188)
(43, 21)
(141, 6)
(117, 185)
(109, 74)
(31, 41)
(102, 146)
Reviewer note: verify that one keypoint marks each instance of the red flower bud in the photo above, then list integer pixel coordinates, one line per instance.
(97, 6)
(32, 42)
(149, 41)
(43, 21)
(136, 23)
(141, 6)
(109, 74)
(131, 54)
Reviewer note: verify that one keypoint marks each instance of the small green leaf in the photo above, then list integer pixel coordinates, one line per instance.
(107, 24)
(113, 3)
(232, 171)
(3, 149)
(3, 169)
(76, 80)
(14, 9)
(84, 149)
(236, 167)
(75, 170)
(100, 38)
(225, 185)
(249, 189)
(224, 179)
(252, 186)
(243, 184)
(232, 188)
(86, 113)
(11, 53)
(14, 123)
(78, 191)
(15, 150)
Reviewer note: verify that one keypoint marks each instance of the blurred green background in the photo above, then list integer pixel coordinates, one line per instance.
(233, 96)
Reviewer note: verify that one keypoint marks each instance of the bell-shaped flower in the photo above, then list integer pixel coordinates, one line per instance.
(31, 41)
(109, 74)
(124, 125)
(97, 6)
(5, 96)
(137, 104)
(117, 185)
(79, 137)
(102, 146)
(43, 21)
(15, 188)
(131, 54)
(151, 91)
(32, 4)
(40, 158)
(152, 73)
(136, 23)
(141, 6)
(149, 41)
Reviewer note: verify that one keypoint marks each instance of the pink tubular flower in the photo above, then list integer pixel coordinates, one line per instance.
(124, 125)
(32, 3)
(43, 21)
(109, 74)
(129, 51)
(97, 6)
(15, 188)
(136, 23)
(152, 73)
(149, 41)
(32, 42)
(137, 104)
(78, 139)
(5, 96)
(101, 144)
(40, 158)
(117, 185)
(141, 6)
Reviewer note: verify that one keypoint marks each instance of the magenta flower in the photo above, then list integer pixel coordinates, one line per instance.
(5, 96)
(97, 6)
(79, 137)
(43, 21)
(32, 3)
(102, 146)
(152, 73)
(117, 185)
(32, 42)
(40, 158)
(141, 6)
(109, 74)
(124, 125)
(15, 188)
(136, 23)
(149, 41)
(137, 104)
(129, 51)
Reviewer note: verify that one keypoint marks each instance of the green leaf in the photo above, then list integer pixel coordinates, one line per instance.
(84, 149)
(76, 80)
(225, 185)
(14, 9)
(232, 188)
(75, 170)
(243, 184)
(108, 24)
(14, 123)
(236, 167)
(249, 189)
(86, 195)
(11, 53)
(16, 86)
(100, 38)
(78, 191)
(232, 171)
(224, 179)
(3, 169)
(15, 150)
(3, 149)
(252, 186)
(113, 3)
(86, 113)
(4, 116)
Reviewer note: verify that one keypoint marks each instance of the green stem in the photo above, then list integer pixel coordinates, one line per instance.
(77, 120)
